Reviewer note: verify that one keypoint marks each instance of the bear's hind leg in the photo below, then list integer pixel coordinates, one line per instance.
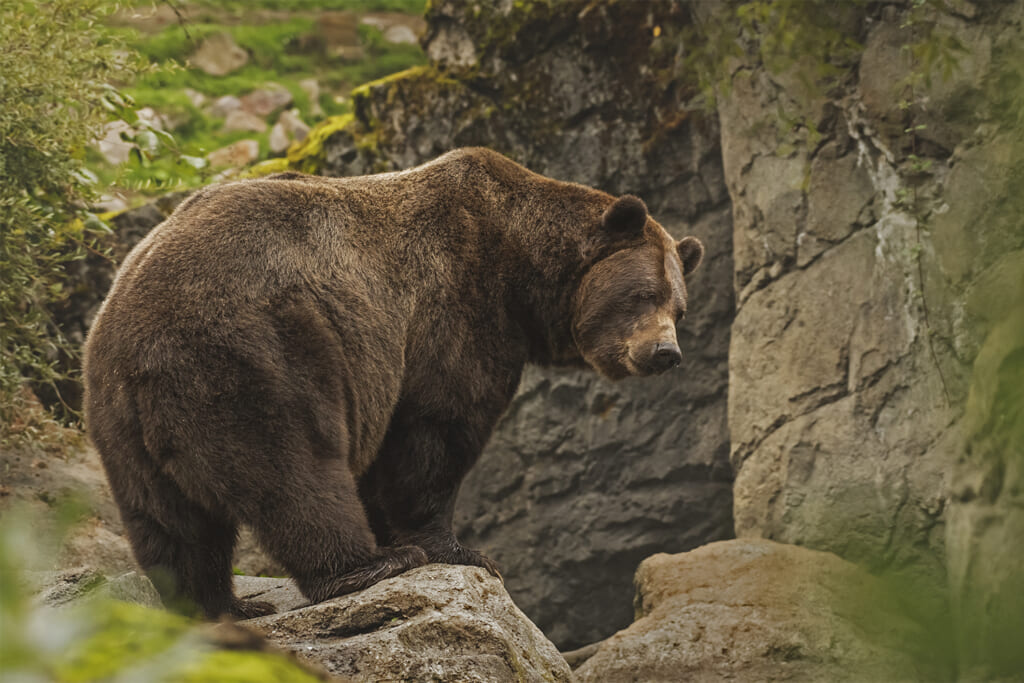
(187, 555)
(315, 525)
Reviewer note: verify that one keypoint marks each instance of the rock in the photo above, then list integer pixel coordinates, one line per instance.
(240, 119)
(289, 128)
(219, 55)
(397, 27)
(264, 101)
(311, 87)
(978, 244)
(400, 35)
(838, 202)
(224, 105)
(843, 394)
(279, 140)
(296, 128)
(197, 98)
(339, 35)
(435, 623)
(114, 149)
(250, 559)
(753, 610)
(281, 593)
(72, 586)
(151, 118)
(34, 481)
(936, 102)
(235, 155)
(95, 544)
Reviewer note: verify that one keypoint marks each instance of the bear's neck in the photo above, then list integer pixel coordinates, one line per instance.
(538, 242)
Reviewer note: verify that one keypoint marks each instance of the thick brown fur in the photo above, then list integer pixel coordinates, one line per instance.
(324, 359)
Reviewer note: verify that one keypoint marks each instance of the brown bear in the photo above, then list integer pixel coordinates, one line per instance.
(324, 359)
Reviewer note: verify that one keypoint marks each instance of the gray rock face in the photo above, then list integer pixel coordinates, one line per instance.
(435, 623)
(844, 378)
(72, 586)
(754, 610)
(867, 291)
(583, 478)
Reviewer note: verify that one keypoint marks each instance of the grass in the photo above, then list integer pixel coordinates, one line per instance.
(243, 6)
(280, 51)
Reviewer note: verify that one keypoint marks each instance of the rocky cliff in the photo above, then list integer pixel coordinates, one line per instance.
(877, 243)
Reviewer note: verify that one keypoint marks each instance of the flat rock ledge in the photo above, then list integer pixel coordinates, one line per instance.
(756, 610)
(435, 623)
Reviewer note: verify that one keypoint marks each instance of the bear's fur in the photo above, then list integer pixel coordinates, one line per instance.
(324, 359)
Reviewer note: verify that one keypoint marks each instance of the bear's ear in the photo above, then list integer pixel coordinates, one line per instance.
(627, 216)
(691, 253)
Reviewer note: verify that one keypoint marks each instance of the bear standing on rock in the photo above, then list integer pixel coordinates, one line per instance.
(324, 359)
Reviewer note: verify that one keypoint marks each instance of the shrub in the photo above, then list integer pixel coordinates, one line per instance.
(57, 65)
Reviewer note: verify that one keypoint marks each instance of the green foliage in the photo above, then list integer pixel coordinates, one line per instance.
(100, 639)
(56, 67)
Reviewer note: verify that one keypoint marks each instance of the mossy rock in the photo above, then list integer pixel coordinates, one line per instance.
(309, 155)
(131, 642)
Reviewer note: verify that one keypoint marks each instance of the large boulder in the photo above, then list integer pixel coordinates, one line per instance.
(755, 610)
(435, 623)
(72, 586)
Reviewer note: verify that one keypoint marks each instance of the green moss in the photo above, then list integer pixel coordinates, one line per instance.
(259, 170)
(424, 73)
(224, 666)
(308, 156)
(122, 635)
(131, 642)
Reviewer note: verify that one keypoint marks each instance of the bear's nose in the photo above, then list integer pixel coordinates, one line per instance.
(666, 355)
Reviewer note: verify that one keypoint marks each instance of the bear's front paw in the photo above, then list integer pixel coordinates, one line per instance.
(460, 554)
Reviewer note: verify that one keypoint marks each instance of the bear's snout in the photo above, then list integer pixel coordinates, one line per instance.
(654, 358)
(666, 356)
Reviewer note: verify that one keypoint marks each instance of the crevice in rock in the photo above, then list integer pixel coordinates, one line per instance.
(381, 618)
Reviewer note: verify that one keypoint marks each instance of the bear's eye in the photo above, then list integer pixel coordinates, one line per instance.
(646, 295)
(679, 317)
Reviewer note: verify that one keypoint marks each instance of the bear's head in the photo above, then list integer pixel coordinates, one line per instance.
(631, 300)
